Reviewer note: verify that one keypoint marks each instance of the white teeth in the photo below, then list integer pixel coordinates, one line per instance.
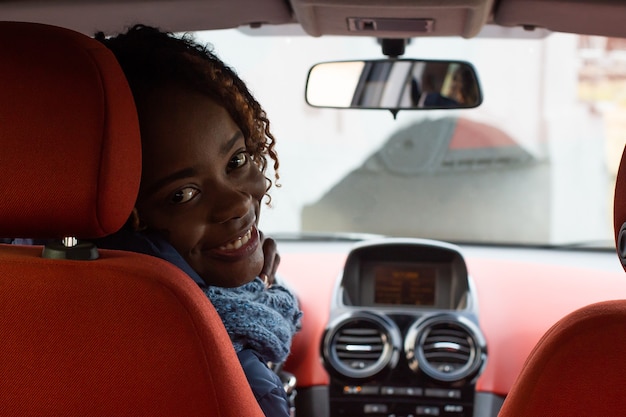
(237, 243)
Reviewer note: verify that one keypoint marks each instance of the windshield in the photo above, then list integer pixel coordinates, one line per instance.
(534, 164)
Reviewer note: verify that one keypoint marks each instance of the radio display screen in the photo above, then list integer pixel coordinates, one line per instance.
(404, 284)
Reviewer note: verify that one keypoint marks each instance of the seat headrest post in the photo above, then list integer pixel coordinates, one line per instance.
(81, 251)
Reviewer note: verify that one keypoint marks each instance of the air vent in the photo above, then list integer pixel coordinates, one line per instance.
(361, 345)
(446, 348)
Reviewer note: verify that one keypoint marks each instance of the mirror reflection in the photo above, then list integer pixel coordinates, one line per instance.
(393, 84)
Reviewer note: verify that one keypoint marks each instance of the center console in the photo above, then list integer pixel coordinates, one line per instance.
(403, 338)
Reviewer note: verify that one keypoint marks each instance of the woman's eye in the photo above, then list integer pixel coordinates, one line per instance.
(184, 195)
(239, 160)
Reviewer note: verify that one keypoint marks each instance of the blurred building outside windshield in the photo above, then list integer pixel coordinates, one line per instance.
(535, 164)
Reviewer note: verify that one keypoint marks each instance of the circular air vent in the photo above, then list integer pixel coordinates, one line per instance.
(446, 348)
(361, 345)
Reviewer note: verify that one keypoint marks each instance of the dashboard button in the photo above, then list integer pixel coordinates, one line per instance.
(369, 390)
(375, 408)
(352, 389)
(453, 408)
(423, 410)
(414, 392)
(443, 393)
(408, 391)
(360, 389)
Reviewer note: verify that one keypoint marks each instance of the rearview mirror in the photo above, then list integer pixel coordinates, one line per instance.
(393, 84)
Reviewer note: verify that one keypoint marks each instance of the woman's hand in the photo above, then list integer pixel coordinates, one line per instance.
(271, 260)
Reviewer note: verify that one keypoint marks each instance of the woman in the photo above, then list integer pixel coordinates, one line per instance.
(205, 148)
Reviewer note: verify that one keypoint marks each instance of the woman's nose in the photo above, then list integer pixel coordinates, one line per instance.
(234, 200)
(230, 204)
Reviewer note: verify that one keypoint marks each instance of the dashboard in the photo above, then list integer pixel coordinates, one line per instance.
(403, 337)
(410, 327)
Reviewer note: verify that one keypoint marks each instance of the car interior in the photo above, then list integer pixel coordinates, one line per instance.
(470, 313)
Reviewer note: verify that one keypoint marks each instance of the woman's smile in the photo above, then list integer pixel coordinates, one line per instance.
(237, 243)
(237, 249)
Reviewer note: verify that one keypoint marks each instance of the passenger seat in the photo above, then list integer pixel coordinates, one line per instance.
(83, 331)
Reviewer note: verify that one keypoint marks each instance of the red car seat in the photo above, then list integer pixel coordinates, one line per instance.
(578, 368)
(88, 332)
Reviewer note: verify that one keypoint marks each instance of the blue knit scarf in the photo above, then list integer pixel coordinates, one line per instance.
(255, 317)
(262, 319)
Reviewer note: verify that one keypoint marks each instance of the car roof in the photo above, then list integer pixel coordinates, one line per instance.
(373, 18)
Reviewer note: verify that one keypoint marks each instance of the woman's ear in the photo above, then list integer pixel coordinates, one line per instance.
(134, 222)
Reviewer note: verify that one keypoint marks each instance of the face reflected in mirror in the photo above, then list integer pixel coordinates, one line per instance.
(462, 87)
(393, 84)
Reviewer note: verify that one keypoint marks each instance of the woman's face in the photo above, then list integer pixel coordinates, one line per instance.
(199, 186)
(456, 87)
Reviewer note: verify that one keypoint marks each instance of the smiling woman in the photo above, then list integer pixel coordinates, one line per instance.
(205, 141)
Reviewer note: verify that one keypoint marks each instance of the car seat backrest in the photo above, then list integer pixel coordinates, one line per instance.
(619, 211)
(577, 368)
(121, 333)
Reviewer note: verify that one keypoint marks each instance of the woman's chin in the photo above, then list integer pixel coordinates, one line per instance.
(231, 280)
(231, 274)
(243, 282)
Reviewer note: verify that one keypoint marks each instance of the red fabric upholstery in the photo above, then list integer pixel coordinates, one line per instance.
(125, 334)
(619, 209)
(577, 368)
(64, 98)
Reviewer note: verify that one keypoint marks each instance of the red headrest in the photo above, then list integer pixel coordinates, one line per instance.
(619, 211)
(70, 158)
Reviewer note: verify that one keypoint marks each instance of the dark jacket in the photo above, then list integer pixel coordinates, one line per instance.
(266, 385)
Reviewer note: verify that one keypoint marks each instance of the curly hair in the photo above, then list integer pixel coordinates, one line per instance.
(151, 58)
